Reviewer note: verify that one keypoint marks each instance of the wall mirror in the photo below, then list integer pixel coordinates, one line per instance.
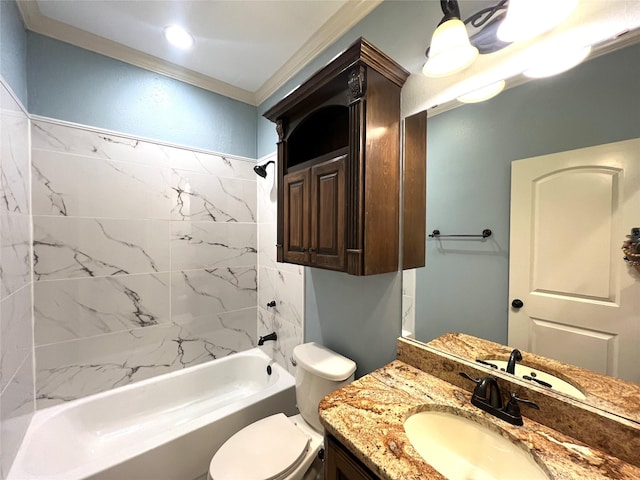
(470, 149)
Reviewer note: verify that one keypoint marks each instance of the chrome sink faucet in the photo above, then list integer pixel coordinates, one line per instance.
(515, 356)
(487, 396)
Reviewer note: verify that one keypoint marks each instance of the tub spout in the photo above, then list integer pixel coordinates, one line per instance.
(266, 338)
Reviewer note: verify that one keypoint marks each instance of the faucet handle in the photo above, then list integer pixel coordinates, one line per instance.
(468, 377)
(513, 407)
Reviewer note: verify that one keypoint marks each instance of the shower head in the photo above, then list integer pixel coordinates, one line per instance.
(262, 169)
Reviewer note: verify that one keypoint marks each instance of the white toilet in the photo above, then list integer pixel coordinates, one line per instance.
(280, 447)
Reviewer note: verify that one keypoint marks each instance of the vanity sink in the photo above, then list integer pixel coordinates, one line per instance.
(461, 449)
(541, 378)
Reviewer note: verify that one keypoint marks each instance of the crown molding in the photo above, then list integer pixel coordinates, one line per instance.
(36, 22)
(340, 23)
(346, 17)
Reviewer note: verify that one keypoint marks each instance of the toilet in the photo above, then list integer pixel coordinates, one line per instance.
(286, 448)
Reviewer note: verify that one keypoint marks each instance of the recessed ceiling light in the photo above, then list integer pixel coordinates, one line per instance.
(178, 37)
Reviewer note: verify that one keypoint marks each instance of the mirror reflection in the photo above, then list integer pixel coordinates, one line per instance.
(465, 286)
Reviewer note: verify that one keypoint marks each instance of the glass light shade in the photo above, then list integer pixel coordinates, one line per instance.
(529, 18)
(178, 37)
(557, 61)
(450, 50)
(483, 93)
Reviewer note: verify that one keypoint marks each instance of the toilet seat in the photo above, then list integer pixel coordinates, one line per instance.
(268, 449)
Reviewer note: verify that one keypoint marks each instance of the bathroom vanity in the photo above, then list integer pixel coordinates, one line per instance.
(366, 437)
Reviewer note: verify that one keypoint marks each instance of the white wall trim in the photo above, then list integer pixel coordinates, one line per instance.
(349, 14)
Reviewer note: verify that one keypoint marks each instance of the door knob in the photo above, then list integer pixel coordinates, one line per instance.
(517, 303)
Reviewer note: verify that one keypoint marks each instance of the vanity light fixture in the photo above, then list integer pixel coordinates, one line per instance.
(556, 61)
(178, 37)
(507, 21)
(483, 93)
(526, 19)
(450, 49)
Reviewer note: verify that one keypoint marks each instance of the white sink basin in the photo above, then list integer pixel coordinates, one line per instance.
(556, 383)
(461, 449)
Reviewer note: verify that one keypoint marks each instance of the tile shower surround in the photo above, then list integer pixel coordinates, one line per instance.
(145, 259)
(16, 322)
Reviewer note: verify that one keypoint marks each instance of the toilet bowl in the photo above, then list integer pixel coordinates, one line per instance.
(286, 448)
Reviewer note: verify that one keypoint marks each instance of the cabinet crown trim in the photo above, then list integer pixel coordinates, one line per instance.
(360, 52)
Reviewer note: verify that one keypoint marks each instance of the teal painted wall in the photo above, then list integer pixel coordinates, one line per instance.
(72, 84)
(13, 49)
(469, 154)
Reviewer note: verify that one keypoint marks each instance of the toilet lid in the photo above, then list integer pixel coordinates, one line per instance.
(264, 450)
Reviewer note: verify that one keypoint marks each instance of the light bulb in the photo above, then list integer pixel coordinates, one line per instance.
(526, 19)
(178, 37)
(450, 50)
(556, 60)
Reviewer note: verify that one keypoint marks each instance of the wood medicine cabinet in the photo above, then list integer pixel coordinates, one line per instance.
(339, 165)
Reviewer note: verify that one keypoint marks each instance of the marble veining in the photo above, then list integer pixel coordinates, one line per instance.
(91, 247)
(71, 185)
(206, 244)
(198, 197)
(14, 179)
(78, 308)
(16, 320)
(101, 363)
(367, 416)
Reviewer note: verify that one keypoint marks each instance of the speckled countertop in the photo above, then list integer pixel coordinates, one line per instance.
(367, 416)
(604, 392)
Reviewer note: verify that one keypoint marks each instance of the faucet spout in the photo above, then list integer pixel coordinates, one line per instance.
(487, 396)
(266, 338)
(515, 356)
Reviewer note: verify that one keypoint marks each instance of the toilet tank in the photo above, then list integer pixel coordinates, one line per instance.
(319, 371)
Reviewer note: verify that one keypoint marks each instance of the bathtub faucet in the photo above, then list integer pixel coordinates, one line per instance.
(266, 338)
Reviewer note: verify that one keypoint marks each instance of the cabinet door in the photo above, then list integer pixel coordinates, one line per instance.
(341, 465)
(328, 182)
(296, 216)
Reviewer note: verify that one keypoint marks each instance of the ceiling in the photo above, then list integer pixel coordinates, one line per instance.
(244, 49)
(247, 49)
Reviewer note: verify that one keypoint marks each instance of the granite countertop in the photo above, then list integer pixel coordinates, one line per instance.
(367, 416)
(602, 391)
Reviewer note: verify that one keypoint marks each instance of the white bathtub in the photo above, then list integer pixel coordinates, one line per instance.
(163, 428)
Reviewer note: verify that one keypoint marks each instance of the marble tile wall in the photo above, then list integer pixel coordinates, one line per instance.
(279, 282)
(145, 259)
(408, 303)
(16, 284)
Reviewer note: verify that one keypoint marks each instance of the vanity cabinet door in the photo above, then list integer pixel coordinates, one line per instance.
(342, 465)
(296, 218)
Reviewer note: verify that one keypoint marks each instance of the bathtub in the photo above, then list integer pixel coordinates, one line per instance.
(164, 428)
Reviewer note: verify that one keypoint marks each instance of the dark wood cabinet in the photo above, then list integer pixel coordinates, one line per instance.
(340, 464)
(314, 224)
(339, 165)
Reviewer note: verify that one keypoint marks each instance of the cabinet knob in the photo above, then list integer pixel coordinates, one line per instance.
(312, 250)
(517, 303)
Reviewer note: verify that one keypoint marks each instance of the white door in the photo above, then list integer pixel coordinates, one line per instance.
(570, 213)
